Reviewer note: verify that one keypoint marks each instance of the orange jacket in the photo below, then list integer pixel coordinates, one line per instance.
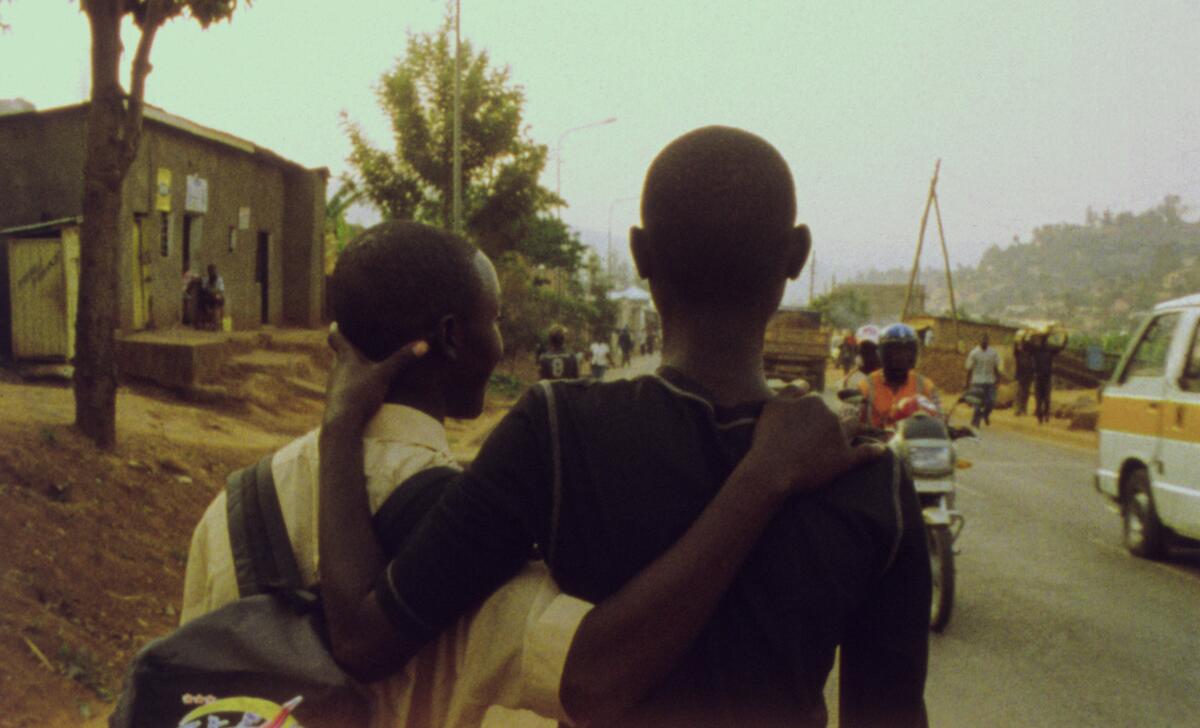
(879, 397)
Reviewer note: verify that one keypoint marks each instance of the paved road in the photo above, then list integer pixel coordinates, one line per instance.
(1055, 625)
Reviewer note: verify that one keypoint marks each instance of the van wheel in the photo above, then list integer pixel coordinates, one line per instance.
(1144, 533)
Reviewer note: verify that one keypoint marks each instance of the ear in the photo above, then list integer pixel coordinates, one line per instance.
(639, 247)
(449, 337)
(799, 246)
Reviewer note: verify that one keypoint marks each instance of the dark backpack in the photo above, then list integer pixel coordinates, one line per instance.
(268, 652)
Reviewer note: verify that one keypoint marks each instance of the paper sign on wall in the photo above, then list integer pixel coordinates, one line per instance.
(196, 199)
(162, 190)
(243, 218)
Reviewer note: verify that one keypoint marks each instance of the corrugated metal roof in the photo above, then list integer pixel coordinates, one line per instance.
(166, 118)
(26, 230)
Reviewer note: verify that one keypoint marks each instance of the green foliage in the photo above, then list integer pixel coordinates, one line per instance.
(500, 164)
(505, 385)
(531, 308)
(842, 308)
(551, 243)
(335, 213)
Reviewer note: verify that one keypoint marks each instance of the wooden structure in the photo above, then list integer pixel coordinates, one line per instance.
(796, 347)
(931, 201)
(43, 287)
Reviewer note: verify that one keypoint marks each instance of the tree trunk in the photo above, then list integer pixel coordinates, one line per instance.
(104, 171)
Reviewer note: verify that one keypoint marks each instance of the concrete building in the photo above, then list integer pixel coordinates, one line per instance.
(193, 196)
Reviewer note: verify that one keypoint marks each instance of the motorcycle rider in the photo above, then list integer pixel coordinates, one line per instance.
(866, 359)
(896, 381)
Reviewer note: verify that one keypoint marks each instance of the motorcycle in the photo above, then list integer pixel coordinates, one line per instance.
(924, 440)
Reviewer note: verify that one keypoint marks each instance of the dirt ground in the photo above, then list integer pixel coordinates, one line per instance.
(93, 545)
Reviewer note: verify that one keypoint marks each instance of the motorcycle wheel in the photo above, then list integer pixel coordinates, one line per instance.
(941, 564)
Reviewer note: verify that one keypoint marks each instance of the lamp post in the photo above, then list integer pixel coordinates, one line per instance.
(612, 208)
(558, 156)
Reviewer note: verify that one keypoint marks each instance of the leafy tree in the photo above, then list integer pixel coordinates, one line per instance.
(549, 242)
(335, 213)
(500, 164)
(114, 130)
(842, 308)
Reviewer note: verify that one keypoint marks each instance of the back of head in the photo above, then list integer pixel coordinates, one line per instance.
(395, 282)
(557, 336)
(718, 207)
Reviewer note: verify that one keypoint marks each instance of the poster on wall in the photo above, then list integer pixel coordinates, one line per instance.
(196, 199)
(243, 218)
(162, 190)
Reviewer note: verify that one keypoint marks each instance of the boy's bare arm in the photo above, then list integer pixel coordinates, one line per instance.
(350, 558)
(633, 639)
(630, 641)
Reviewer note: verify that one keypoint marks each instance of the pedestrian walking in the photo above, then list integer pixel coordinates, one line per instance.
(983, 371)
(601, 358)
(557, 362)
(625, 342)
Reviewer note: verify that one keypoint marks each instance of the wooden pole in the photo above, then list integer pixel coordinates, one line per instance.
(937, 211)
(912, 277)
(812, 278)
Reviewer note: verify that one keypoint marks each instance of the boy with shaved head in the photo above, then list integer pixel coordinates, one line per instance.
(605, 477)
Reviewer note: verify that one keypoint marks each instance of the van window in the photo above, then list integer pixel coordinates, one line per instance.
(1150, 357)
(1190, 381)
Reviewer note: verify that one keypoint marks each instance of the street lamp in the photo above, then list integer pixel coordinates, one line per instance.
(611, 208)
(558, 156)
(456, 143)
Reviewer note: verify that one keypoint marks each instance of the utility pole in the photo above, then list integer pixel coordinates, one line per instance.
(457, 141)
(931, 201)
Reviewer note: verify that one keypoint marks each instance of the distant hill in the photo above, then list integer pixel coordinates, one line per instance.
(1096, 277)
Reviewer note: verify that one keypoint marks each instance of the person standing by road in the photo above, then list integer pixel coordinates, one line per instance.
(1024, 356)
(601, 358)
(557, 362)
(625, 341)
(1043, 370)
(212, 298)
(983, 371)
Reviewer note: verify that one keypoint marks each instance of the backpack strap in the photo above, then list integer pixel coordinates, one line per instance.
(403, 510)
(556, 469)
(262, 552)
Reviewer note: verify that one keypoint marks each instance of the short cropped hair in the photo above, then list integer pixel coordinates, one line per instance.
(396, 281)
(718, 204)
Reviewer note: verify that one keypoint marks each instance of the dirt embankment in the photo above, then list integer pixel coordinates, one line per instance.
(93, 545)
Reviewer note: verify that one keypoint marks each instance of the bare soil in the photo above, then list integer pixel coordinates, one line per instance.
(93, 545)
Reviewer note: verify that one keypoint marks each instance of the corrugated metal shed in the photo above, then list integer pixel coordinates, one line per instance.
(43, 278)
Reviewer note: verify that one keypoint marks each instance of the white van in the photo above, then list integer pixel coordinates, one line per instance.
(1150, 430)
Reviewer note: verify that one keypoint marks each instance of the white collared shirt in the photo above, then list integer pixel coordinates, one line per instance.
(510, 652)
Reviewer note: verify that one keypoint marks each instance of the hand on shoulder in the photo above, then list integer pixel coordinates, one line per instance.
(801, 445)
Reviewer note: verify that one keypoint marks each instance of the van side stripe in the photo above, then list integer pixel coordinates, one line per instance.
(1170, 420)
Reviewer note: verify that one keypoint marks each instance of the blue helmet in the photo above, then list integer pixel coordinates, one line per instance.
(898, 346)
(897, 333)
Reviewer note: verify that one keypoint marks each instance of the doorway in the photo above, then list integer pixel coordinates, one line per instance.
(186, 247)
(143, 310)
(262, 268)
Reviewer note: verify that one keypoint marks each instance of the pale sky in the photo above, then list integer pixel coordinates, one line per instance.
(1037, 109)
